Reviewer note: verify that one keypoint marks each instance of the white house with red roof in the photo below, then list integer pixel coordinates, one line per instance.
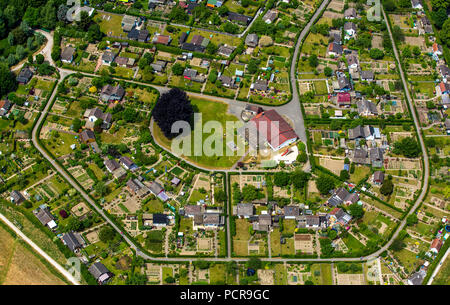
(268, 128)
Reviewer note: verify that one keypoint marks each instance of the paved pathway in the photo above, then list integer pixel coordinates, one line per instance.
(436, 271)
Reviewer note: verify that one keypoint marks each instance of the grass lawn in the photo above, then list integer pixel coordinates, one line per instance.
(360, 173)
(240, 240)
(112, 26)
(352, 243)
(154, 206)
(289, 226)
(60, 145)
(275, 245)
(210, 111)
(166, 272)
(280, 274)
(186, 225)
(408, 259)
(218, 275)
(196, 196)
(321, 274)
(116, 138)
(288, 248)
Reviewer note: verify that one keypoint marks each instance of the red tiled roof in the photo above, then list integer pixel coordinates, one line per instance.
(275, 135)
(344, 97)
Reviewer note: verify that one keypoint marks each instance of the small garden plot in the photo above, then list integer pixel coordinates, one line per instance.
(80, 209)
(334, 166)
(154, 241)
(240, 240)
(321, 274)
(408, 260)
(110, 24)
(81, 176)
(383, 207)
(59, 143)
(360, 173)
(416, 41)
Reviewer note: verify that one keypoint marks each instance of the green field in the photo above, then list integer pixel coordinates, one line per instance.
(211, 111)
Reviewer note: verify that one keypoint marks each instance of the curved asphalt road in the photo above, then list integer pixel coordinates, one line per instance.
(293, 108)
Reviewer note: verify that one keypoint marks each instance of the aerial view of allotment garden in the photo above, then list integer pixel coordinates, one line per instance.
(225, 142)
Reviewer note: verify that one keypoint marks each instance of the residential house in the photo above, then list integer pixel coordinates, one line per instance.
(137, 188)
(259, 85)
(239, 18)
(378, 177)
(334, 49)
(444, 88)
(343, 84)
(24, 76)
(108, 57)
(350, 29)
(114, 168)
(182, 38)
(128, 164)
(92, 115)
(252, 40)
(87, 136)
(416, 4)
(352, 61)
(17, 197)
(67, 55)
(263, 223)
(436, 245)
(212, 220)
(291, 211)
(187, 46)
(338, 216)
(129, 23)
(162, 39)
(344, 99)
(367, 76)
(350, 13)
(360, 156)
(100, 273)
(225, 50)
(366, 132)
(160, 220)
(198, 40)
(5, 106)
(366, 108)
(445, 71)
(192, 210)
(244, 210)
(376, 157)
(112, 93)
(226, 81)
(427, 28)
(138, 35)
(437, 49)
(270, 16)
(268, 128)
(73, 241)
(417, 277)
(159, 66)
(191, 74)
(336, 36)
(157, 190)
(45, 217)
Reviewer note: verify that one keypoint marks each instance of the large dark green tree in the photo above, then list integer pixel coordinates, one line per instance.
(171, 107)
(7, 80)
